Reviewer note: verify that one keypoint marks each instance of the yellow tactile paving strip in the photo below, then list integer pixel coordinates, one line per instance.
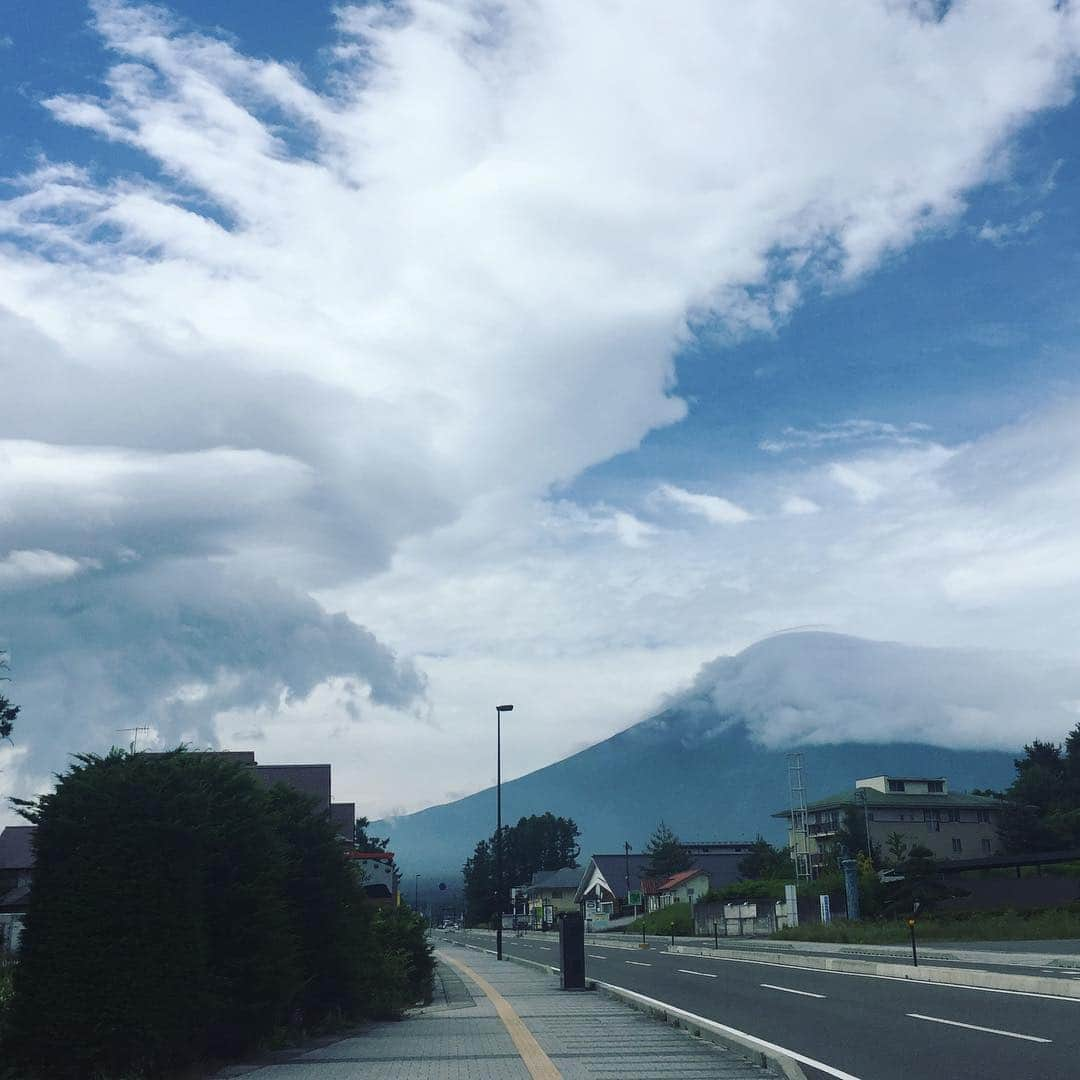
(540, 1066)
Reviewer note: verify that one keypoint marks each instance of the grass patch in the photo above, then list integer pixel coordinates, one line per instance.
(1047, 924)
(675, 916)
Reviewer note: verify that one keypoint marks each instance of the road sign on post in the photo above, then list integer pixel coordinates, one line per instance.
(634, 899)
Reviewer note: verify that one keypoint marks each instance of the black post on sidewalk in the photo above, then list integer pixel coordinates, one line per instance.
(572, 951)
(673, 932)
(911, 926)
(716, 935)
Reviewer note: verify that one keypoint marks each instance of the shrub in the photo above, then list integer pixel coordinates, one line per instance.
(662, 921)
(181, 911)
(156, 930)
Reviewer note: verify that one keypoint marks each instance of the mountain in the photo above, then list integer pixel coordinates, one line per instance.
(713, 764)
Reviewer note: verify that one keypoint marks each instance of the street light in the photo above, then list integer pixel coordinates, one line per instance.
(499, 710)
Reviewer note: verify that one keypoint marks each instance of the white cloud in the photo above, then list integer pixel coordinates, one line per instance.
(798, 504)
(713, 508)
(846, 431)
(1007, 232)
(19, 568)
(812, 688)
(333, 331)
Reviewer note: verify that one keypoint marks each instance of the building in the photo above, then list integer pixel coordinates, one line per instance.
(681, 888)
(919, 808)
(551, 894)
(603, 889)
(16, 864)
(378, 875)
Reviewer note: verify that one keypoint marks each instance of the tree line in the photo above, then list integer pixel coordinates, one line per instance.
(535, 843)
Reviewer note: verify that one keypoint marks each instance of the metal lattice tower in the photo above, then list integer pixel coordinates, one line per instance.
(800, 832)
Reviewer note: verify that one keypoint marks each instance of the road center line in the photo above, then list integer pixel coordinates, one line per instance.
(975, 1027)
(703, 974)
(789, 990)
(638, 963)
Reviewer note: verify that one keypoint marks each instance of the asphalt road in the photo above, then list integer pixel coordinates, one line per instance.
(930, 954)
(873, 1028)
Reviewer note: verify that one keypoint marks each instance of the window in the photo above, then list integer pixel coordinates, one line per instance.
(954, 815)
(957, 845)
(896, 785)
(985, 846)
(935, 787)
(984, 816)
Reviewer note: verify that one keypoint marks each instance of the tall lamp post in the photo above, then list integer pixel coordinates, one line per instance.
(499, 710)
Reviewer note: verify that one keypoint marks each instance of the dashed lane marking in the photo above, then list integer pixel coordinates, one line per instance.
(703, 974)
(789, 990)
(975, 1027)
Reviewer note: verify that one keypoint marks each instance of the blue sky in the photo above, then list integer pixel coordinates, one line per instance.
(362, 365)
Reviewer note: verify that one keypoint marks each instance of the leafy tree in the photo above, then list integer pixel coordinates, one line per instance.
(8, 715)
(364, 840)
(896, 842)
(539, 842)
(666, 854)
(920, 882)
(850, 839)
(1042, 810)
(766, 863)
(8, 712)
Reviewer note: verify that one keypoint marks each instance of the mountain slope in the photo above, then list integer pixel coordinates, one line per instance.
(713, 765)
(725, 787)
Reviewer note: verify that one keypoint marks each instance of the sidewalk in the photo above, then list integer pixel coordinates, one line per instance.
(531, 1029)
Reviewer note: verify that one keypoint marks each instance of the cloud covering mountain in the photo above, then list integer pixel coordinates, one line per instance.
(713, 764)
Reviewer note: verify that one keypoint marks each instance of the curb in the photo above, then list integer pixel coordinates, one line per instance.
(702, 1028)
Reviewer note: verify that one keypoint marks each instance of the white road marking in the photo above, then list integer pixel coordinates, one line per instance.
(638, 963)
(789, 990)
(705, 1022)
(975, 1027)
(888, 978)
(595, 957)
(703, 974)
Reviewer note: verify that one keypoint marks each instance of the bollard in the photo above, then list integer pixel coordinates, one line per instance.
(716, 936)
(673, 935)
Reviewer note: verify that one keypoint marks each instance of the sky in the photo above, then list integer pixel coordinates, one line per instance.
(365, 366)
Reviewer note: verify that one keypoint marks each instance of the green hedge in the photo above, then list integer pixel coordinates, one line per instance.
(182, 912)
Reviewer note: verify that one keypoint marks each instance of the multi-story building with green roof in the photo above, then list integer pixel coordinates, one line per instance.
(920, 808)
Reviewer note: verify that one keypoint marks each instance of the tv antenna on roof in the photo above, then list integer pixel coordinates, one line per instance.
(134, 735)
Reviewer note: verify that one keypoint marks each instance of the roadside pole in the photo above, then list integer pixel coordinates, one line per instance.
(911, 926)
